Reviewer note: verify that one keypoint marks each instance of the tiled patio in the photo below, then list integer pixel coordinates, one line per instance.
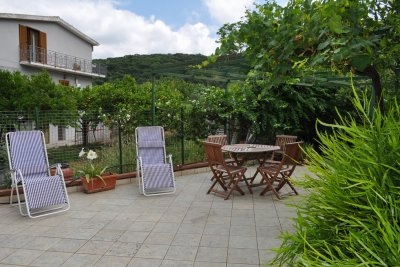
(123, 228)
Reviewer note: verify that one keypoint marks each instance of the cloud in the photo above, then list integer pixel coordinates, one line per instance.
(120, 32)
(228, 11)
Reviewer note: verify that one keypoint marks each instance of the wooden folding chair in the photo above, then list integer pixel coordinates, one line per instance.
(276, 176)
(281, 141)
(226, 176)
(221, 139)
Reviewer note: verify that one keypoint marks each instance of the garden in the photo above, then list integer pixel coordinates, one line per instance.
(326, 71)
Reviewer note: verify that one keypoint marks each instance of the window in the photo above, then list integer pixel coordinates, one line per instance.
(63, 82)
(61, 133)
(33, 45)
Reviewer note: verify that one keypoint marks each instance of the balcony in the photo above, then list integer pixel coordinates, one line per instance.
(53, 60)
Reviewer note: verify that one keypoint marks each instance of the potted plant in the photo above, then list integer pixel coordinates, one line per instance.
(93, 176)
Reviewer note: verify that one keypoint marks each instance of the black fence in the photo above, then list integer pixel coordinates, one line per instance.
(66, 133)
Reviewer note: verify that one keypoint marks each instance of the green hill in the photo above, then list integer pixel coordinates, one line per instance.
(143, 67)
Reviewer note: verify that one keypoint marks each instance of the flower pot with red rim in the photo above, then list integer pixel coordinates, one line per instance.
(98, 185)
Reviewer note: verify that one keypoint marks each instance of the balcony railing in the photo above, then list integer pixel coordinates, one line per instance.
(60, 60)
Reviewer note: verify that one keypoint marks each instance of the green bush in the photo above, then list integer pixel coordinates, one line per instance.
(351, 214)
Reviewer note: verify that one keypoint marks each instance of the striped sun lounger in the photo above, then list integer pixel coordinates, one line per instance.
(44, 194)
(154, 167)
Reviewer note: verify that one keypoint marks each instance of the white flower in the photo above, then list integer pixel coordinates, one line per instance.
(82, 153)
(91, 155)
(89, 169)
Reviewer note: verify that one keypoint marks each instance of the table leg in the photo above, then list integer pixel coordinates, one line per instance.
(261, 161)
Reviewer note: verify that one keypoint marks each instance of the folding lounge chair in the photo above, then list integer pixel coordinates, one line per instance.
(44, 194)
(154, 168)
(226, 176)
(275, 176)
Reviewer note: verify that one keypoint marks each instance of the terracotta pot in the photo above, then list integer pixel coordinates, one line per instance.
(97, 185)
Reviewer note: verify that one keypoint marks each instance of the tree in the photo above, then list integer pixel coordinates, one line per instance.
(12, 87)
(25, 95)
(307, 37)
(109, 103)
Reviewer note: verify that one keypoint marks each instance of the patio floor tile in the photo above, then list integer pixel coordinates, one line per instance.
(123, 228)
(210, 254)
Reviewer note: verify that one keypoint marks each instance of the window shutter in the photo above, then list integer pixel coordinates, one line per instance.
(23, 43)
(63, 82)
(43, 47)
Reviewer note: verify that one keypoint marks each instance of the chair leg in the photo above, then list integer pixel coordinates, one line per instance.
(248, 184)
(212, 186)
(260, 163)
(14, 186)
(285, 180)
(291, 186)
(228, 194)
(229, 181)
(239, 178)
(234, 186)
(268, 188)
(11, 195)
(270, 184)
(218, 179)
(20, 203)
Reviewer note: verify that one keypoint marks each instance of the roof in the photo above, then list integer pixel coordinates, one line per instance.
(52, 19)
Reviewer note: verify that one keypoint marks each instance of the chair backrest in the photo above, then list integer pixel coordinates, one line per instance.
(221, 139)
(214, 153)
(27, 152)
(282, 140)
(293, 153)
(150, 144)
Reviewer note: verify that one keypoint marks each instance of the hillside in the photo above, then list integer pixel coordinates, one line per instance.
(143, 67)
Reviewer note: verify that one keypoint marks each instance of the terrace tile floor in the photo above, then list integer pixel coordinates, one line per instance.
(123, 228)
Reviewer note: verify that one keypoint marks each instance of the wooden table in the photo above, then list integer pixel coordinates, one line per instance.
(241, 153)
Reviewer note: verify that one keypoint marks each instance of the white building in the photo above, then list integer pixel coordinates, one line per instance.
(31, 43)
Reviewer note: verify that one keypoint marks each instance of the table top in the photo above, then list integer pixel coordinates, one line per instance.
(249, 148)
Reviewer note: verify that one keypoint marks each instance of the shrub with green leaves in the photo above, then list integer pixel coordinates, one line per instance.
(351, 215)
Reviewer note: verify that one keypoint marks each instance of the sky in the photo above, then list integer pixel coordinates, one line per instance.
(128, 27)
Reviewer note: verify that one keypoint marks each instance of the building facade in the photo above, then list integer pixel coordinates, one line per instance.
(32, 43)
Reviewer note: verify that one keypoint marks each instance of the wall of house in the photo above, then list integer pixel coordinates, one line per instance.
(61, 40)
(9, 52)
(74, 80)
(73, 136)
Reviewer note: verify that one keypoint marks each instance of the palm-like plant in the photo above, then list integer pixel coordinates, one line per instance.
(351, 216)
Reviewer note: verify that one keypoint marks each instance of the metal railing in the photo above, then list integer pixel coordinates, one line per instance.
(60, 60)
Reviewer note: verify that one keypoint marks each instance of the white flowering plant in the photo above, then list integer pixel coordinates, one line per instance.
(89, 169)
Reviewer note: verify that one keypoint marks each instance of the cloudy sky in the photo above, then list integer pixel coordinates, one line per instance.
(127, 27)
